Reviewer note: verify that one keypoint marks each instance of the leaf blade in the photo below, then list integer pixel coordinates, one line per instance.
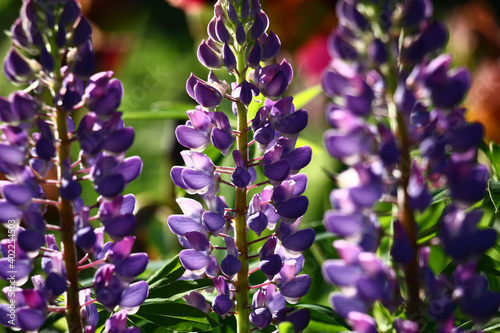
(176, 316)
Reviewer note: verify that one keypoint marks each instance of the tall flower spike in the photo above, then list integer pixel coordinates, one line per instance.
(427, 145)
(239, 42)
(52, 52)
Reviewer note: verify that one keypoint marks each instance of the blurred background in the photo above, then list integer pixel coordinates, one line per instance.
(151, 46)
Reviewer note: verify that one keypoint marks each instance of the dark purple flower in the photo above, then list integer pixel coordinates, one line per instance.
(117, 323)
(460, 236)
(273, 80)
(209, 57)
(18, 68)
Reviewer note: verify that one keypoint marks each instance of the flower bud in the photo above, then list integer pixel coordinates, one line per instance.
(18, 68)
(270, 47)
(209, 57)
(229, 58)
(82, 33)
(254, 55)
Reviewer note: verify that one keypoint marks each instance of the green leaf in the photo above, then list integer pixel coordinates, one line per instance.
(286, 327)
(177, 316)
(494, 190)
(51, 319)
(305, 96)
(177, 289)
(324, 314)
(438, 260)
(493, 325)
(142, 324)
(495, 158)
(315, 326)
(382, 316)
(255, 105)
(439, 196)
(489, 265)
(171, 271)
(324, 235)
(226, 325)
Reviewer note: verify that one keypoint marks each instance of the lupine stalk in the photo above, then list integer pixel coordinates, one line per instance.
(238, 41)
(407, 217)
(68, 227)
(52, 56)
(398, 126)
(240, 223)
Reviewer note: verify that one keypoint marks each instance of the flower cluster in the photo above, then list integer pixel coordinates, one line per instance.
(52, 56)
(397, 124)
(238, 41)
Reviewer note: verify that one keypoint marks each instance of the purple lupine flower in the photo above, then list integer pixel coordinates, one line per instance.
(222, 303)
(238, 41)
(387, 68)
(38, 135)
(117, 323)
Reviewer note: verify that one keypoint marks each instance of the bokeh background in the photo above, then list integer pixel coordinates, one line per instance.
(151, 47)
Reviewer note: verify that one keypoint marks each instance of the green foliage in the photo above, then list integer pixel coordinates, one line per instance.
(175, 316)
(494, 191)
(325, 316)
(171, 271)
(382, 317)
(177, 289)
(494, 156)
(286, 327)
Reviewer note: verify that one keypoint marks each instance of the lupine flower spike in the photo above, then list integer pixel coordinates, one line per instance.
(398, 126)
(269, 162)
(52, 58)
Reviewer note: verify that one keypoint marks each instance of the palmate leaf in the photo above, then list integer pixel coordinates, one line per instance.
(175, 316)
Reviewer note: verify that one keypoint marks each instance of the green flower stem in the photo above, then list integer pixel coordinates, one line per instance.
(240, 223)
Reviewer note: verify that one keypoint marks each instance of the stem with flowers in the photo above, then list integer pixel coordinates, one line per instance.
(396, 106)
(238, 41)
(240, 224)
(52, 56)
